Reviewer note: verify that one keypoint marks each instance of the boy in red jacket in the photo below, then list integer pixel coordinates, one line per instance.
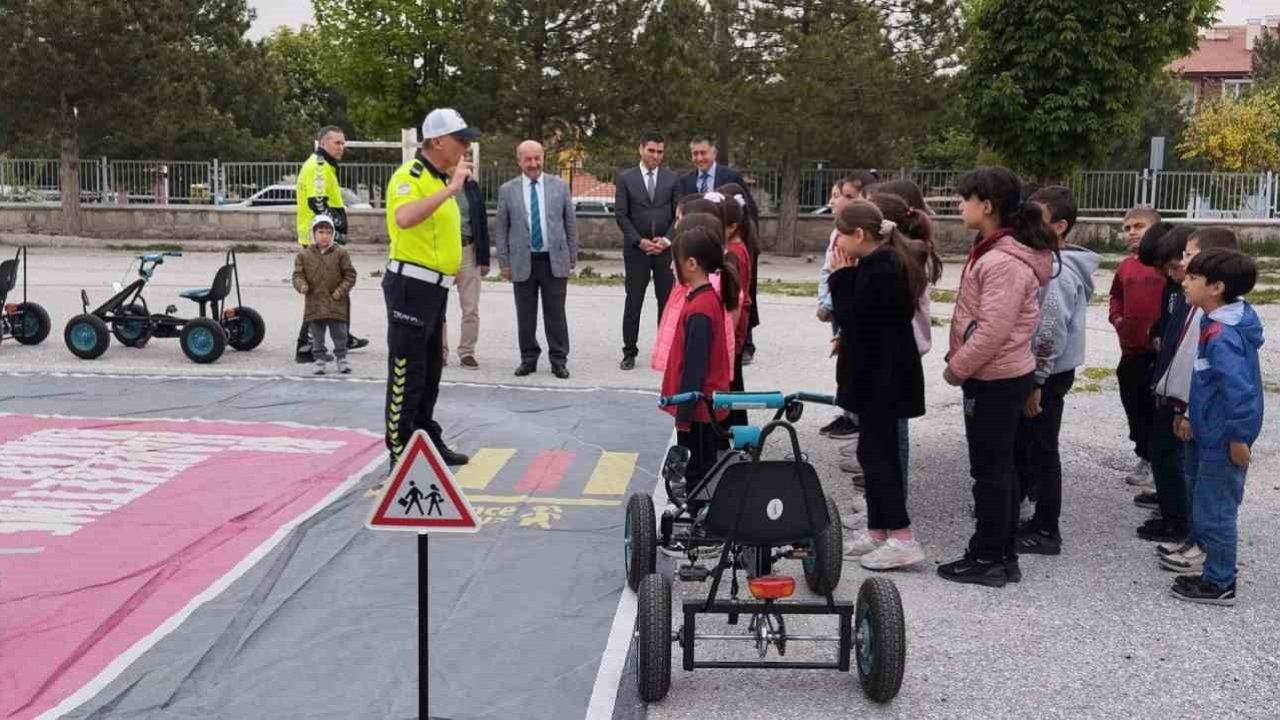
(1135, 306)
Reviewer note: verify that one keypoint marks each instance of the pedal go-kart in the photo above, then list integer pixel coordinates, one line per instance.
(746, 514)
(26, 322)
(203, 339)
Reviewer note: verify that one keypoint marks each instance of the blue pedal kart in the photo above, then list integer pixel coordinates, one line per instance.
(203, 339)
(744, 515)
(26, 321)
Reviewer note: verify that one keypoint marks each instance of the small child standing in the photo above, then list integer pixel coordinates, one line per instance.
(1224, 416)
(324, 274)
(740, 245)
(1059, 348)
(995, 317)
(695, 363)
(844, 425)
(1135, 306)
(874, 286)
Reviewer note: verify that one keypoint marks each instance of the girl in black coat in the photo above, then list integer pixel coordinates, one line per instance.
(874, 285)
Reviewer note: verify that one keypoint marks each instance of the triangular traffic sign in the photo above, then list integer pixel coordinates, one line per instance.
(423, 495)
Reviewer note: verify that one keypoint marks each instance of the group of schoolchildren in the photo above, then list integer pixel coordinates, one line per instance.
(1189, 375)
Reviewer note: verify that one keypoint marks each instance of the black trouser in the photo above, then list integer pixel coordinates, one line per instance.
(704, 445)
(1036, 456)
(1134, 375)
(881, 461)
(415, 354)
(553, 291)
(991, 411)
(754, 319)
(639, 267)
(1166, 450)
(304, 332)
(737, 417)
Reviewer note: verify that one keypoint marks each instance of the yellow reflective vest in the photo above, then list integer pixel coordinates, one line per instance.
(319, 192)
(436, 242)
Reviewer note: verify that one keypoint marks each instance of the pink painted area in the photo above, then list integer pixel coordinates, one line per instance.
(69, 610)
(544, 473)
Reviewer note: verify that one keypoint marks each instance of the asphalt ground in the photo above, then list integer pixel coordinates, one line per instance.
(1091, 633)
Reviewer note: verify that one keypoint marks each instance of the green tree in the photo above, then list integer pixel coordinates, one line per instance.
(1266, 60)
(1051, 83)
(1237, 135)
(312, 97)
(1162, 111)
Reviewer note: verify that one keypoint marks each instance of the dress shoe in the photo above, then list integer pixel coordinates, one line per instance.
(560, 371)
(355, 343)
(628, 362)
(452, 457)
(526, 368)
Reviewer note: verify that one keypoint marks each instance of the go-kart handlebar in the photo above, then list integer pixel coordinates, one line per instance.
(746, 400)
(158, 257)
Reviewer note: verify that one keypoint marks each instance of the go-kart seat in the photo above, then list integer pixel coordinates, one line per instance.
(8, 277)
(214, 293)
(770, 502)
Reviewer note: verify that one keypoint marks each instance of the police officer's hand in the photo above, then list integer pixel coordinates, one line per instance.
(460, 173)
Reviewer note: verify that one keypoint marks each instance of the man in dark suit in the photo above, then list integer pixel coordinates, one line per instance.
(707, 174)
(645, 207)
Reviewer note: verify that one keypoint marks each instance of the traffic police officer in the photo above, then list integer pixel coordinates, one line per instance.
(424, 224)
(318, 193)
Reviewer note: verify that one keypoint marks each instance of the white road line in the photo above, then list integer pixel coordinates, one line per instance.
(125, 659)
(605, 692)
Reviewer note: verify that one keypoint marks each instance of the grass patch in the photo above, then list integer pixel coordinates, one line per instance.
(149, 247)
(1097, 374)
(939, 295)
(1115, 244)
(1087, 388)
(1268, 246)
(935, 321)
(1271, 387)
(789, 288)
(250, 248)
(1110, 263)
(588, 255)
(376, 273)
(1264, 296)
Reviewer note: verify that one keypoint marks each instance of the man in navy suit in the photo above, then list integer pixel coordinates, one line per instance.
(708, 175)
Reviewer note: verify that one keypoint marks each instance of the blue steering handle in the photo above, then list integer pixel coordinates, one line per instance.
(679, 399)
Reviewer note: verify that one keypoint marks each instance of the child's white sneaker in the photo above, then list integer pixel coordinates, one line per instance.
(1187, 562)
(853, 520)
(1141, 475)
(861, 545)
(321, 368)
(343, 366)
(892, 554)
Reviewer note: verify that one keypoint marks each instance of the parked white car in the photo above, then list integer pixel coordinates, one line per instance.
(287, 195)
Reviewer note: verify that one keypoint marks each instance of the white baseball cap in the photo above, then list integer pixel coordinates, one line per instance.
(447, 121)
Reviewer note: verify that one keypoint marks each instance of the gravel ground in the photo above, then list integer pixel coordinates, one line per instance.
(1092, 633)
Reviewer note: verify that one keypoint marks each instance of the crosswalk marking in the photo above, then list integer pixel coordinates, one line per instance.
(483, 468)
(545, 472)
(612, 474)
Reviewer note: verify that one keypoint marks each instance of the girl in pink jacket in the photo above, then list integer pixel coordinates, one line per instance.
(995, 317)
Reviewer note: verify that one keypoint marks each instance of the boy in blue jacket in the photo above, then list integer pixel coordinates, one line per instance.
(1224, 416)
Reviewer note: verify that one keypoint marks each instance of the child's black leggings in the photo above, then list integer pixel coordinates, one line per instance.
(991, 412)
(881, 461)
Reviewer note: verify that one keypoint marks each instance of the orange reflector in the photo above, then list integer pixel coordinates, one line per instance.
(772, 587)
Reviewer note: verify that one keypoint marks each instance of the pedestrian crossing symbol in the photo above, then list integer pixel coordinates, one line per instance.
(422, 495)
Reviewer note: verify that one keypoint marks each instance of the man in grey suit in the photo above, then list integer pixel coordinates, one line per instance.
(537, 237)
(645, 199)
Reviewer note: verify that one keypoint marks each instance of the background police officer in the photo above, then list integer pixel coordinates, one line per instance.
(318, 193)
(424, 224)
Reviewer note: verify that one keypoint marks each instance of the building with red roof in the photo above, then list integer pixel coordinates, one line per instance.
(1222, 65)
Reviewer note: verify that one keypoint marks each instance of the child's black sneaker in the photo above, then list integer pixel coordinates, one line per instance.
(1147, 500)
(1159, 530)
(1039, 542)
(976, 572)
(1204, 593)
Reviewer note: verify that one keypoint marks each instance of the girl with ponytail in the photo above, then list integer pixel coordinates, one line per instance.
(995, 317)
(874, 285)
(696, 363)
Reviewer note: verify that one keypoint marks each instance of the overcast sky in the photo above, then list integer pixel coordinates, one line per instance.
(293, 13)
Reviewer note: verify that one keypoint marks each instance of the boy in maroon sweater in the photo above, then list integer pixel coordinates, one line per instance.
(1135, 306)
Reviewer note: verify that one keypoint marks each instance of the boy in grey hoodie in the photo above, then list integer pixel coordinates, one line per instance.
(1059, 348)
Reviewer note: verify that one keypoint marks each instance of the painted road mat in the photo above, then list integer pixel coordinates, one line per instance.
(195, 548)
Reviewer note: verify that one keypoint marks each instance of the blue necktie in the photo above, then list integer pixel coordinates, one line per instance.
(702, 182)
(535, 217)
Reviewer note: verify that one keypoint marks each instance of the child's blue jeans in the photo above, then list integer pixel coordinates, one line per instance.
(1217, 489)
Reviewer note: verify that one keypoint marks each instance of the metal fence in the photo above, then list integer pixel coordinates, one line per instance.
(1207, 195)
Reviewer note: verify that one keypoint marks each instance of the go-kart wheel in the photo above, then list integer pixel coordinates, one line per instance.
(30, 323)
(203, 340)
(880, 639)
(639, 539)
(136, 330)
(245, 329)
(653, 638)
(87, 336)
(826, 558)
